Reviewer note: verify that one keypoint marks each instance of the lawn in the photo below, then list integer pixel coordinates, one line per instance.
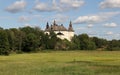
(62, 63)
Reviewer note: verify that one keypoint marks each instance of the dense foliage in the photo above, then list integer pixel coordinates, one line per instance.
(28, 39)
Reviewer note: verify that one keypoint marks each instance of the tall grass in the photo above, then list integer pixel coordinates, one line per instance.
(62, 63)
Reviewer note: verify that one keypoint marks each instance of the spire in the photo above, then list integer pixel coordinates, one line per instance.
(70, 27)
(47, 27)
(54, 23)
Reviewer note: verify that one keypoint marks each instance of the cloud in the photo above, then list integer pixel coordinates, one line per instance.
(112, 35)
(97, 18)
(109, 33)
(24, 19)
(110, 4)
(58, 6)
(90, 26)
(46, 7)
(30, 25)
(92, 33)
(42, 7)
(73, 3)
(27, 25)
(88, 19)
(110, 25)
(16, 7)
(81, 28)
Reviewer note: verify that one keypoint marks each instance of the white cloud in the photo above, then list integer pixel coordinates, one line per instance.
(81, 28)
(110, 4)
(90, 26)
(46, 7)
(24, 19)
(109, 14)
(91, 19)
(58, 6)
(92, 33)
(17, 6)
(88, 19)
(109, 33)
(31, 25)
(73, 3)
(27, 25)
(110, 25)
(112, 35)
(42, 7)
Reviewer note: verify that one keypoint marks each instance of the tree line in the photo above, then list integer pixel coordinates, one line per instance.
(29, 39)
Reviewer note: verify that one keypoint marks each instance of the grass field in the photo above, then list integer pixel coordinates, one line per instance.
(62, 63)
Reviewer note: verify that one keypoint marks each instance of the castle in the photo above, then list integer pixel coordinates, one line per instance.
(60, 30)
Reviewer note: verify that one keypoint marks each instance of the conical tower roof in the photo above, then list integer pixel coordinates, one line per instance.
(70, 27)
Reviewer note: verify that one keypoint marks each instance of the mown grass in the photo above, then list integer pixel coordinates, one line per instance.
(62, 63)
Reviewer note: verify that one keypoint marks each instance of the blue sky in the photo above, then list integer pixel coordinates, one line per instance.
(99, 18)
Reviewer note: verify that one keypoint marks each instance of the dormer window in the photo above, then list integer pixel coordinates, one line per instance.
(59, 33)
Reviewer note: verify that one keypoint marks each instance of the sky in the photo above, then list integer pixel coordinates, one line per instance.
(99, 18)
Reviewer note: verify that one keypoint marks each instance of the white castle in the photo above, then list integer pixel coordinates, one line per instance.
(60, 30)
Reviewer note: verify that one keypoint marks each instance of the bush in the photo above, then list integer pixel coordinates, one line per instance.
(4, 52)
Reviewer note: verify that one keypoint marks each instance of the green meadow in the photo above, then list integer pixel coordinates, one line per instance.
(62, 63)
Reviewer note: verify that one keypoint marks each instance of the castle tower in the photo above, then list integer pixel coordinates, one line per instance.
(54, 23)
(70, 27)
(47, 26)
(60, 30)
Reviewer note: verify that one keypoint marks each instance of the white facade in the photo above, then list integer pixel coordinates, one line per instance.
(60, 31)
(66, 34)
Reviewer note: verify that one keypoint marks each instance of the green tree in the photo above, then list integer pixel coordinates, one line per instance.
(1, 28)
(11, 39)
(100, 43)
(4, 44)
(18, 37)
(52, 40)
(75, 43)
(31, 43)
(63, 45)
(86, 43)
(113, 45)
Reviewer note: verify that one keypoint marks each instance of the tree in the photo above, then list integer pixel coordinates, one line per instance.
(113, 45)
(31, 43)
(1, 28)
(27, 29)
(52, 40)
(63, 45)
(91, 45)
(18, 39)
(44, 41)
(4, 44)
(86, 43)
(100, 43)
(11, 39)
(75, 43)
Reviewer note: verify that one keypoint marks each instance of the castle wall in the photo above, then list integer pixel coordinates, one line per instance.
(60, 30)
(67, 35)
(46, 32)
(70, 35)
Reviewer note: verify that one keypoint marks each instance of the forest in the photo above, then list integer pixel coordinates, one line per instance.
(33, 39)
